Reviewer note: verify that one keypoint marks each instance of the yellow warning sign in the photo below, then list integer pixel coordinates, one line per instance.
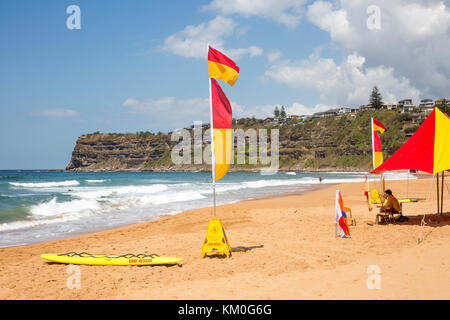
(216, 240)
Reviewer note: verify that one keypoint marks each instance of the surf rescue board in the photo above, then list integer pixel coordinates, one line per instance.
(101, 259)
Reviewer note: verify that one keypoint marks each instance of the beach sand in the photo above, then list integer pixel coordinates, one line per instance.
(295, 254)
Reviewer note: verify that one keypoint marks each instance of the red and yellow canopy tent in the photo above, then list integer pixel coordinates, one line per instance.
(427, 150)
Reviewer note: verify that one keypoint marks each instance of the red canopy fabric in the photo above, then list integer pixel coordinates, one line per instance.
(427, 150)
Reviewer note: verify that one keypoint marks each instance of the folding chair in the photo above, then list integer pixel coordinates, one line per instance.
(350, 220)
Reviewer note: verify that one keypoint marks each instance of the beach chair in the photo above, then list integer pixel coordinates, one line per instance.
(350, 220)
(384, 217)
(388, 216)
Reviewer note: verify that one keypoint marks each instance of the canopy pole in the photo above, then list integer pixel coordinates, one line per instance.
(442, 197)
(407, 182)
(437, 194)
(213, 160)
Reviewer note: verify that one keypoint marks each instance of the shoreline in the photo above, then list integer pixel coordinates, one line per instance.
(312, 187)
(324, 170)
(295, 231)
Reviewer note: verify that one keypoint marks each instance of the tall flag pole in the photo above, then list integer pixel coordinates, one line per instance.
(222, 68)
(221, 120)
(213, 160)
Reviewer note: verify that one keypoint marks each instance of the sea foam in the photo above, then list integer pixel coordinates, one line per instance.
(67, 183)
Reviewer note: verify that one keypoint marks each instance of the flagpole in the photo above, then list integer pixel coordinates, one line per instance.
(213, 160)
(335, 216)
(373, 145)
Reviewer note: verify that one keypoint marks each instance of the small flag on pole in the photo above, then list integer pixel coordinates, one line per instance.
(221, 67)
(341, 217)
(378, 126)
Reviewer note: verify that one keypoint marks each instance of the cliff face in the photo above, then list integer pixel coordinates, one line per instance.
(333, 143)
(117, 151)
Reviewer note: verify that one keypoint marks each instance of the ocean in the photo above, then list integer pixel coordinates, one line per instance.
(38, 205)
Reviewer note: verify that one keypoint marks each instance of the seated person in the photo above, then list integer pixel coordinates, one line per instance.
(391, 205)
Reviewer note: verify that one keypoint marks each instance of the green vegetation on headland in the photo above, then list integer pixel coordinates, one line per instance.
(340, 142)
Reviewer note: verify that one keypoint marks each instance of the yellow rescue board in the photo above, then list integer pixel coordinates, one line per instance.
(100, 260)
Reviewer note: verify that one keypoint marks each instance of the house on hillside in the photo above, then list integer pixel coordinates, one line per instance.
(406, 106)
(328, 113)
(389, 105)
(442, 103)
(426, 106)
(420, 117)
(366, 107)
(426, 103)
(292, 117)
(346, 110)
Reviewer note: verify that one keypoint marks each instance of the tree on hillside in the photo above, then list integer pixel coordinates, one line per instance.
(276, 112)
(375, 98)
(283, 113)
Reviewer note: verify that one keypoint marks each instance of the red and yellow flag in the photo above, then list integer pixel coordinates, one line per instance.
(222, 117)
(376, 142)
(221, 67)
(378, 126)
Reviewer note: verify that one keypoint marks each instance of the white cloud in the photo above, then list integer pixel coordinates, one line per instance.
(251, 51)
(286, 12)
(300, 109)
(347, 83)
(274, 55)
(181, 113)
(413, 38)
(173, 112)
(56, 113)
(192, 41)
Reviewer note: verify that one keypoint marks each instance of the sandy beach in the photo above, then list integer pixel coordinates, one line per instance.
(292, 254)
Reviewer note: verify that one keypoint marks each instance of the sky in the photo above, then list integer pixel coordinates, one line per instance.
(141, 65)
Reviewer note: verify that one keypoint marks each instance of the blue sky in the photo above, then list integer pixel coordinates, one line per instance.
(140, 65)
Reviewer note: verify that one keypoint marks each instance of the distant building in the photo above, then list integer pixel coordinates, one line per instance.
(389, 105)
(366, 107)
(406, 106)
(426, 103)
(426, 106)
(343, 110)
(331, 112)
(442, 103)
(328, 113)
(419, 117)
(405, 102)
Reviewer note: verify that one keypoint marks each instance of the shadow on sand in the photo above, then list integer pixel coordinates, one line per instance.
(430, 220)
(233, 249)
